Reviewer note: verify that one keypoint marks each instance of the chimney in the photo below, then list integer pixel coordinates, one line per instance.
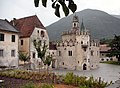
(14, 18)
(13, 22)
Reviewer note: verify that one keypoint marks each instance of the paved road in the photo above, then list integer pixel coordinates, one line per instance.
(115, 85)
(108, 72)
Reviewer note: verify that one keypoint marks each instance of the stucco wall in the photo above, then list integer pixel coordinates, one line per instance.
(95, 58)
(37, 35)
(7, 46)
(25, 46)
(79, 44)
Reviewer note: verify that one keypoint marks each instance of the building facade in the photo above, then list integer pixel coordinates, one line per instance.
(31, 29)
(9, 37)
(76, 50)
(104, 51)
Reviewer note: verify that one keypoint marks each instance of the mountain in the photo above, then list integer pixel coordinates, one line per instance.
(117, 16)
(99, 23)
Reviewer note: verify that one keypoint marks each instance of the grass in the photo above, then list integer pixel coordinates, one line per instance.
(111, 62)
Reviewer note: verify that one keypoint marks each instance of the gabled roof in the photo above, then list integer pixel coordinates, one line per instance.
(6, 26)
(26, 25)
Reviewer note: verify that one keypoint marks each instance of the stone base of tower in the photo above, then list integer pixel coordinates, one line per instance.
(84, 66)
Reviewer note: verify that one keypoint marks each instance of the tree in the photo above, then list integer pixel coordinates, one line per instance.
(48, 61)
(115, 47)
(24, 57)
(105, 41)
(41, 49)
(56, 5)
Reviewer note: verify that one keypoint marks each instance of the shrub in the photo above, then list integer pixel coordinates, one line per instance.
(29, 85)
(84, 82)
(47, 86)
(69, 78)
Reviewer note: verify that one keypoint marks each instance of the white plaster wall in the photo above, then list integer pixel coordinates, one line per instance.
(73, 62)
(94, 60)
(76, 61)
(25, 46)
(68, 37)
(7, 46)
(36, 35)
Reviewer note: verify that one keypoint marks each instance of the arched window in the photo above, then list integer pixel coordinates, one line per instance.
(42, 34)
(74, 24)
(62, 63)
(81, 42)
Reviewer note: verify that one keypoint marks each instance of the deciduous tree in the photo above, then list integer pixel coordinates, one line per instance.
(48, 61)
(41, 50)
(23, 57)
(115, 47)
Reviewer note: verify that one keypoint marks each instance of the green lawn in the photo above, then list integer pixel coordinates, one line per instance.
(111, 62)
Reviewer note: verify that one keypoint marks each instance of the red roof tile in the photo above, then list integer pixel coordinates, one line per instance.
(26, 25)
(104, 48)
(52, 46)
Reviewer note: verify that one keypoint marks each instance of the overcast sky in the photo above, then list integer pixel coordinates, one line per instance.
(10, 9)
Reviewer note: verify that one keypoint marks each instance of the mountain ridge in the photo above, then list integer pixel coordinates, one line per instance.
(99, 23)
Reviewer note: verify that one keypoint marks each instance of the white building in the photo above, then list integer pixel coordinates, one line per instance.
(8, 44)
(104, 51)
(53, 53)
(31, 29)
(77, 51)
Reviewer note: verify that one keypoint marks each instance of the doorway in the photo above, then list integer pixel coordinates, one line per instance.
(84, 67)
(53, 63)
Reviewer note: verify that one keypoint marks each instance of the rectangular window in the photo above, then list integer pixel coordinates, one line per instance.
(69, 53)
(13, 38)
(21, 42)
(1, 52)
(52, 52)
(97, 53)
(12, 53)
(92, 52)
(59, 53)
(1, 37)
(37, 31)
(33, 55)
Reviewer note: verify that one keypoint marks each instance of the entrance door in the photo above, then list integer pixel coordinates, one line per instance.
(53, 63)
(84, 67)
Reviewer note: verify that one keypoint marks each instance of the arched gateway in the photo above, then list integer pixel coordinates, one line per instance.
(84, 67)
